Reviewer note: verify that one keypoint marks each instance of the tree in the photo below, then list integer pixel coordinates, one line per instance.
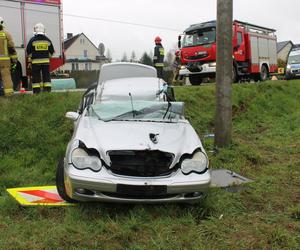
(146, 59)
(124, 58)
(170, 57)
(223, 122)
(133, 57)
(108, 55)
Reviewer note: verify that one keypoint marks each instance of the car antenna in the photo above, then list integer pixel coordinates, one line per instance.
(132, 105)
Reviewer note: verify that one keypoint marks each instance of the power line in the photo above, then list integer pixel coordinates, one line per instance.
(122, 22)
(97, 19)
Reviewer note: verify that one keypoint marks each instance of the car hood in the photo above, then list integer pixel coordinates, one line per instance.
(176, 138)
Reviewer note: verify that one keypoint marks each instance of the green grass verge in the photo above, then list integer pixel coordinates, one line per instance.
(266, 147)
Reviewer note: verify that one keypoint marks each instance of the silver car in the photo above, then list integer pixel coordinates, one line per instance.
(131, 143)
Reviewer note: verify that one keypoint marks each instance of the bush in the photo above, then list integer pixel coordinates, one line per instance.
(84, 78)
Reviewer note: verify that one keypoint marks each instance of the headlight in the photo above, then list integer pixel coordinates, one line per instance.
(288, 66)
(198, 164)
(82, 160)
(183, 67)
(214, 64)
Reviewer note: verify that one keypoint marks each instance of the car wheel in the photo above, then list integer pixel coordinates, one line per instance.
(264, 73)
(60, 182)
(195, 80)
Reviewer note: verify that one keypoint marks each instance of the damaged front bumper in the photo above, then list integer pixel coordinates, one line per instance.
(85, 185)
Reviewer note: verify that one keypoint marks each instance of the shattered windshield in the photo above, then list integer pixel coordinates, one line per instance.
(138, 110)
(199, 37)
(294, 59)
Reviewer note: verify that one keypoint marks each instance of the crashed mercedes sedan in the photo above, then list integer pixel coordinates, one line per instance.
(132, 143)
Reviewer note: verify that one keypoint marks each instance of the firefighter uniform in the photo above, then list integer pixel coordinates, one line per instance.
(8, 55)
(158, 59)
(39, 51)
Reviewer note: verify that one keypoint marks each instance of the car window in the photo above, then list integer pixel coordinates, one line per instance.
(138, 110)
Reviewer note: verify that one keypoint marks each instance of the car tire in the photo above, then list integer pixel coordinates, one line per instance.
(195, 80)
(264, 73)
(60, 182)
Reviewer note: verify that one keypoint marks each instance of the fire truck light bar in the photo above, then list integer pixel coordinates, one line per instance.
(56, 2)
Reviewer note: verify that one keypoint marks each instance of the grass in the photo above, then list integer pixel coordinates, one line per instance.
(265, 147)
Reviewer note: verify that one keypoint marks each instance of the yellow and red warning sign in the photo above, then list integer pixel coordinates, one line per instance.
(38, 196)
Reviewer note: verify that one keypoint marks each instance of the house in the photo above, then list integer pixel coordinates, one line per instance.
(81, 54)
(283, 50)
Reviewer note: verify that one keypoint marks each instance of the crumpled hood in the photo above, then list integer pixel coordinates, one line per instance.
(175, 138)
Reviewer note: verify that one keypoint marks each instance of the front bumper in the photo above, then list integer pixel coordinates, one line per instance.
(85, 185)
(204, 69)
(293, 73)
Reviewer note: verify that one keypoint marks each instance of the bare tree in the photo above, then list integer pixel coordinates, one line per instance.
(124, 58)
(133, 57)
(170, 58)
(223, 123)
(108, 55)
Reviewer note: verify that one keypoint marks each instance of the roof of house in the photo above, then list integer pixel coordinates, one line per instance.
(69, 41)
(282, 45)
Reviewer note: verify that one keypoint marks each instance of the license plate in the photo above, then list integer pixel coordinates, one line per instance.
(141, 191)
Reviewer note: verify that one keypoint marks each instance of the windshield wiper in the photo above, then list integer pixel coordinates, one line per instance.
(133, 112)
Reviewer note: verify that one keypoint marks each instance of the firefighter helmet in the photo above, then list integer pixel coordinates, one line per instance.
(157, 39)
(39, 29)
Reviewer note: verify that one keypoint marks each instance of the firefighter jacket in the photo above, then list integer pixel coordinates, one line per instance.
(7, 47)
(159, 54)
(39, 49)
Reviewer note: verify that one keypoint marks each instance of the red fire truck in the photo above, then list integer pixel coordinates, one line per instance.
(20, 16)
(254, 51)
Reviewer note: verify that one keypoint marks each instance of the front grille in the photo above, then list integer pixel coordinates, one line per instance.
(144, 163)
(197, 57)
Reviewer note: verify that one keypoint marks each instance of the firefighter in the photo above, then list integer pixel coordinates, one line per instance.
(39, 51)
(158, 59)
(8, 59)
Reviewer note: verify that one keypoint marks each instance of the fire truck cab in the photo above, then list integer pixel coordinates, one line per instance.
(254, 51)
(20, 16)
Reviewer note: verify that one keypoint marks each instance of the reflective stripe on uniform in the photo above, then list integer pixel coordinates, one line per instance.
(8, 91)
(41, 45)
(13, 57)
(161, 51)
(36, 85)
(40, 60)
(2, 35)
(4, 58)
(47, 84)
(159, 65)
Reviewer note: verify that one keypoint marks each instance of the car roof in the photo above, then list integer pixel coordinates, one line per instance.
(113, 71)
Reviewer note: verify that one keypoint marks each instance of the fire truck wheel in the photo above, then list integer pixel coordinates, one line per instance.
(264, 73)
(60, 182)
(234, 75)
(195, 80)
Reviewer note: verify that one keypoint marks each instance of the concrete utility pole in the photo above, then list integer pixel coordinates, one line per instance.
(223, 120)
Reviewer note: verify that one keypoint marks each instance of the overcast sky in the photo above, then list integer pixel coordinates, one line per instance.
(174, 15)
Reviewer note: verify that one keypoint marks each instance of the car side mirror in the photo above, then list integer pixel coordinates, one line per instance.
(72, 116)
(179, 42)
